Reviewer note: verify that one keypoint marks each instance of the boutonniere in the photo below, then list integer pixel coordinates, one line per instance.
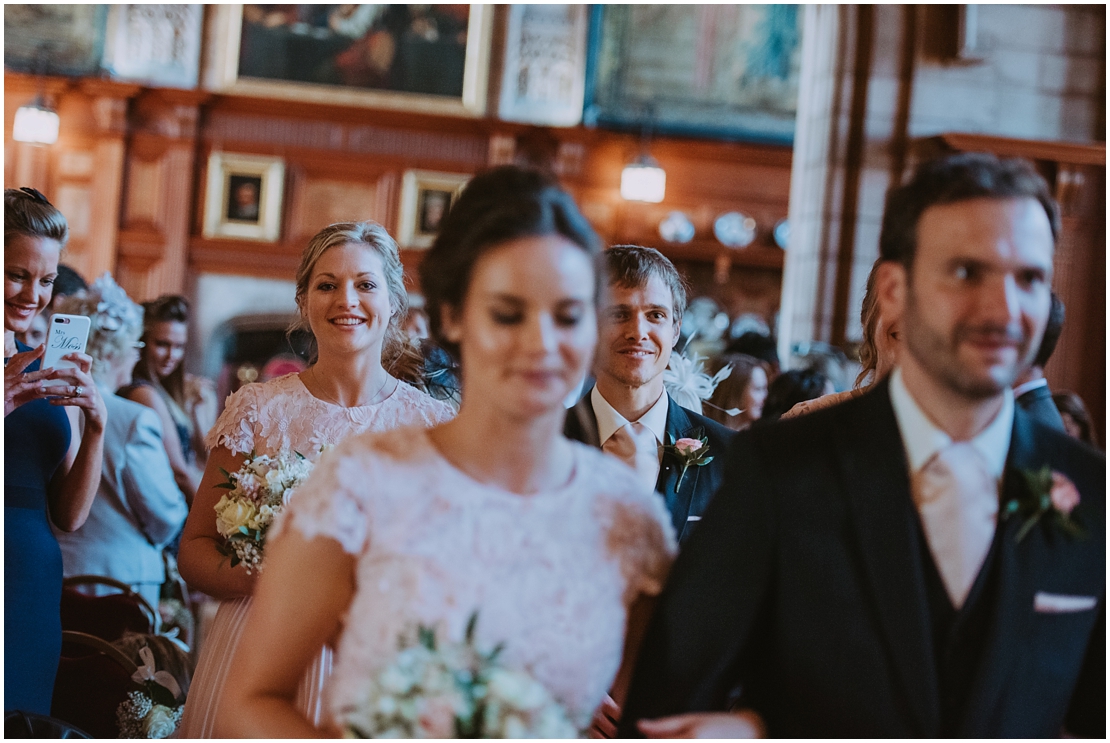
(1050, 496)
(689, 452)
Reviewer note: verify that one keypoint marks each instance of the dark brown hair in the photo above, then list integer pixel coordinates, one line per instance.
(167, 308)
(497, 206)
(631, 266)
(952, 179)
(1072, 405)
(730, 391)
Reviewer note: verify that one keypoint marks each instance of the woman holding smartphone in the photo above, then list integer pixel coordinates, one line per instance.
(52, 454)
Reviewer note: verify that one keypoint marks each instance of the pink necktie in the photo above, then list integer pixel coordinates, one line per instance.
(635, 445)
(958, 501)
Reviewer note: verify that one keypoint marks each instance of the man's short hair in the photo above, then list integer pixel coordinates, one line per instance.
(952, 179)
(631, 266)
(1052, 330)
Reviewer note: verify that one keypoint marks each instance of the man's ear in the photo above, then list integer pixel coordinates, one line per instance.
(677, 332)
(891, 287)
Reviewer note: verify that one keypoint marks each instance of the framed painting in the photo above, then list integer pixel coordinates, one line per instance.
(422, 58)
(544, 73)
(718, 71)
(243, 197)
(426, 197)
(55, 39)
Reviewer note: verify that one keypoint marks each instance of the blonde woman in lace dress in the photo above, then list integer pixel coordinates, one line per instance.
(552, 543)
(351, 296)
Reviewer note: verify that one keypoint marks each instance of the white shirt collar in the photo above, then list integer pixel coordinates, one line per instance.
(609, 420)
(922, 439)
(1021, 389)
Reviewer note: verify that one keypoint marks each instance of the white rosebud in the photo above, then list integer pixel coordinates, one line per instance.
(160, 722)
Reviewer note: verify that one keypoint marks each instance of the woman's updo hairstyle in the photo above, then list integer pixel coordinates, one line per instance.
(28, 212)
(497, 206)
(373, 236)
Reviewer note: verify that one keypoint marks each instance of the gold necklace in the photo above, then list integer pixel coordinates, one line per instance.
(333, 401)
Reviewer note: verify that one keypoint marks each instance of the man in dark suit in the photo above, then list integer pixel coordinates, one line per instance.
(627, 412)
(860, 572)
(1031, 390)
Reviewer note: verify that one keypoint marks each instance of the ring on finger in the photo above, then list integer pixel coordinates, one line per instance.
(78, 391)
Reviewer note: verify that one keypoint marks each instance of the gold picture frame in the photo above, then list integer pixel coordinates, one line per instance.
(243, 198)
(426, 197)
(222, 66)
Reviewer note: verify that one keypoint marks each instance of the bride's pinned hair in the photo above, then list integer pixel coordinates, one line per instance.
(497, 206)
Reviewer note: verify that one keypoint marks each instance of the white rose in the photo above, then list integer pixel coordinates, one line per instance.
(264, 518)
(230, 515)
(160, 722)
(516, 689)
(394, 681)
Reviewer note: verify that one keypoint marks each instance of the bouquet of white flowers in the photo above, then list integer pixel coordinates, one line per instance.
(453, 690)
(256, 494)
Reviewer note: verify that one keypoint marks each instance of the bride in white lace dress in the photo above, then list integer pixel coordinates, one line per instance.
(351, 296)
(553, 543)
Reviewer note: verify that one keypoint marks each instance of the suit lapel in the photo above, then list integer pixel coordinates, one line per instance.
(1022, 567)
(581, 422)
(678, 500)
(876, 480)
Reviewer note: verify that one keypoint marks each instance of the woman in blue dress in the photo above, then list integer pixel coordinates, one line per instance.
(53, 443)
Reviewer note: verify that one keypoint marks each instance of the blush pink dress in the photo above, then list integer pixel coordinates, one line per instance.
(551, 574)
(268, 418)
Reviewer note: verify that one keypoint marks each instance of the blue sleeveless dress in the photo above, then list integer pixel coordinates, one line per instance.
(36, 437)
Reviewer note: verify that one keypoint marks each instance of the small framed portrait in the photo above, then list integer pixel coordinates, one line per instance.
(426, 197)
(244, 197)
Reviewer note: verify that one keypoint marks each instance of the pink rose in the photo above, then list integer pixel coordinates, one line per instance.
(1064, 495)
(686, 447)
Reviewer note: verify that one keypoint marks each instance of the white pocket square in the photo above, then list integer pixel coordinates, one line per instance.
(1058, 603)
(693, 518)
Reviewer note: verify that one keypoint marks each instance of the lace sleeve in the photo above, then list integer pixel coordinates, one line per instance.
(328, 503)
(237, 427)
(641, 537)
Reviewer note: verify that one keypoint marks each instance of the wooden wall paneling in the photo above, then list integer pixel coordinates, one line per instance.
(159, 193)
(1079, 362)
(108, 104)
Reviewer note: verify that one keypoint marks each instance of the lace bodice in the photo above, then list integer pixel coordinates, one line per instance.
(551, 575)
(282, 415)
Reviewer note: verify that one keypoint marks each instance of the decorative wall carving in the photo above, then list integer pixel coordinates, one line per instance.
(157, 44)
(544, 78)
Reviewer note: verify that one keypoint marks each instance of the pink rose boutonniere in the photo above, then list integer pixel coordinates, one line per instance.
(689, 452)
(1051, 497)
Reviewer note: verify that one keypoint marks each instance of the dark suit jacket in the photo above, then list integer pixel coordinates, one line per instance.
(803, 586)
(686, 503)
(1038, 403)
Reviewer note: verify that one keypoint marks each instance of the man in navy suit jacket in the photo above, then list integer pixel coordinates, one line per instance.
(849, 579)
(638, 328)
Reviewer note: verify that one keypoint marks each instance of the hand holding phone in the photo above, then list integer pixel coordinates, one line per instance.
(68, 334)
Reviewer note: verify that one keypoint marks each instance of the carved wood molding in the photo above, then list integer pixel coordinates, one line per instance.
(1072, 153)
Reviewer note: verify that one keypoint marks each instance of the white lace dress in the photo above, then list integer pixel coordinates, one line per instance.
(551, 575)
(281, 416)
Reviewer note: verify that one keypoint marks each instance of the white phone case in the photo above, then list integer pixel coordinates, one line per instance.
(68, 334)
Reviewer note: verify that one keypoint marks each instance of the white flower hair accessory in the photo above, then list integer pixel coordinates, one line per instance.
(114, 309)
(688, 384)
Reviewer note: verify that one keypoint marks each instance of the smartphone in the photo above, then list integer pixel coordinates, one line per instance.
(67, 334)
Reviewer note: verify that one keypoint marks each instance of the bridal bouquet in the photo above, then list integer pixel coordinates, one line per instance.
(256, 494)
(453, 690)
